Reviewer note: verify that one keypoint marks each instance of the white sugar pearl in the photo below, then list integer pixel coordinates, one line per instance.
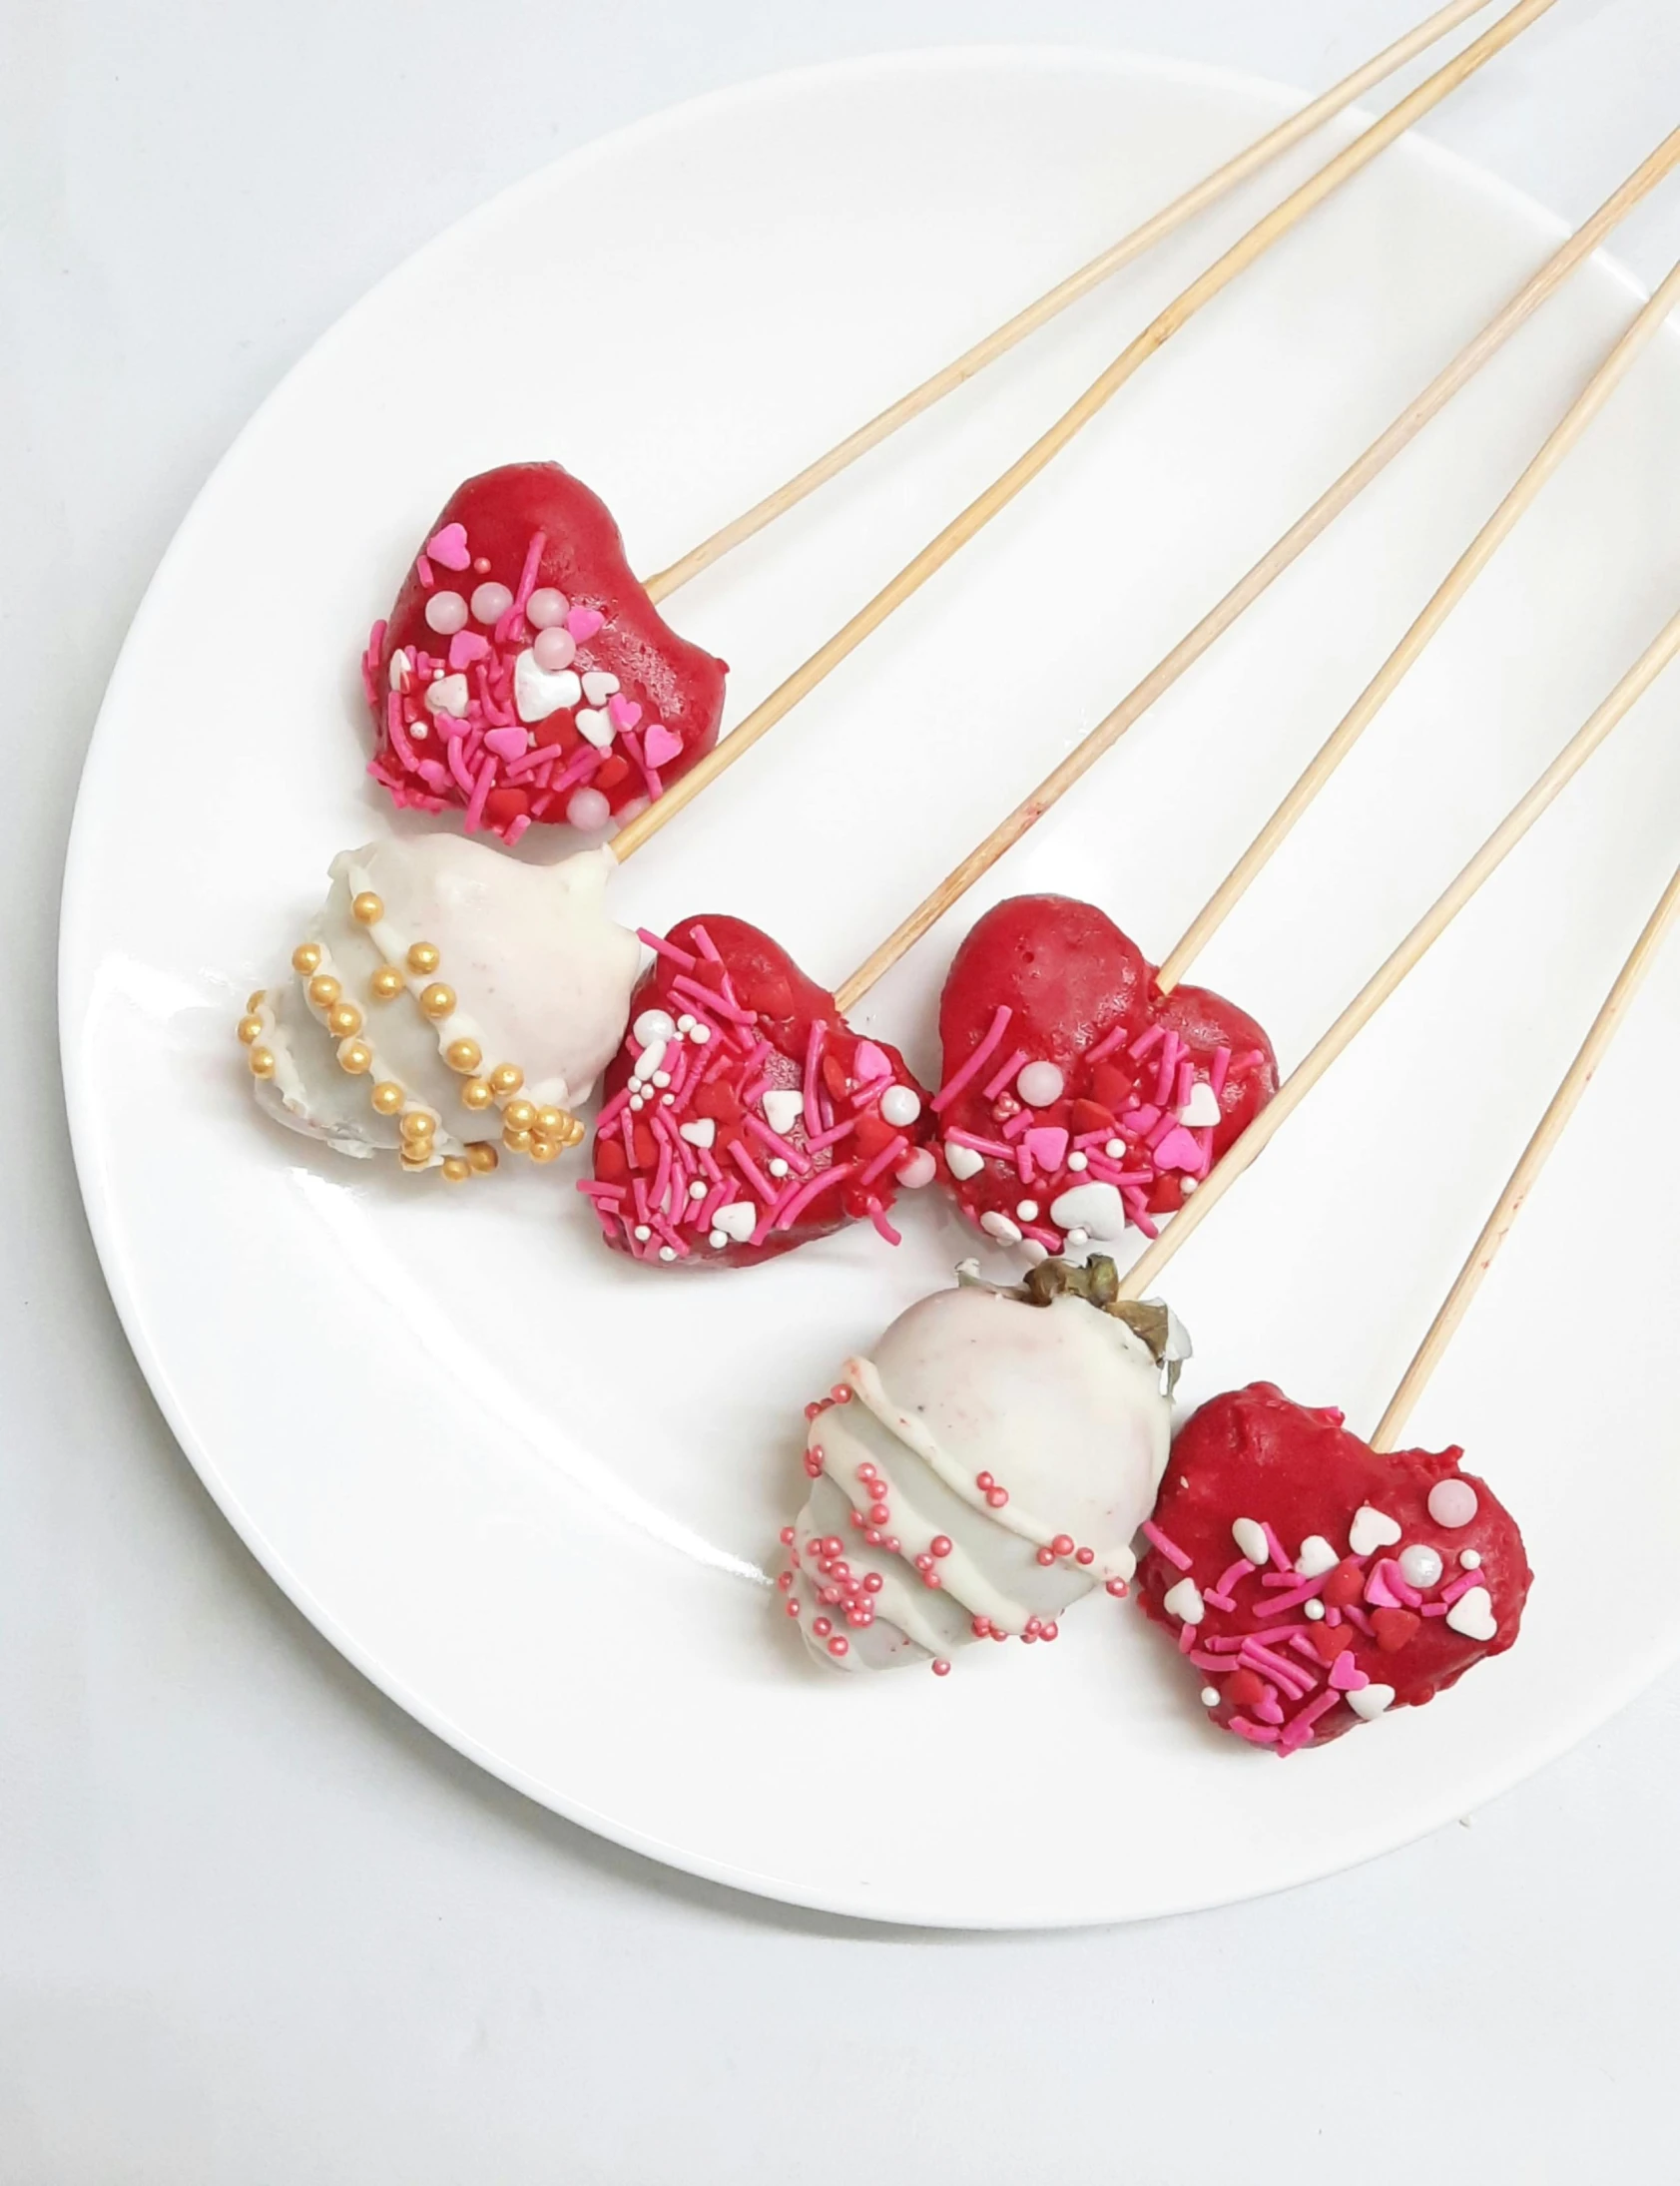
(662, 1077)
(700, 1034)
(546, 607)
(1209, 1696)
(1115, 1149)
(1469, 1559)
(490, 602)
(1313, 1609)
(1027, 1210)
(1079, 1237)
(666, 1252)
(446, 612)
(684, 1022)
(1421, 1565)
(651, 1025)
(641, 1233)
(1452, 1503)
(1077, 1161)
(777, 1166)
(696, 1190)
(588, 809)
(554, 650)
(1040, 1084)
(900, 1105)
(917, 1169)
(717, 1240)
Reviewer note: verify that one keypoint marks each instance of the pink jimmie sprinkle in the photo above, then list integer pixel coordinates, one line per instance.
(1216, 1074)
(481, 790)
(1233, 1575)
(1003, 1075)
(976, 1062)
(1280, 1554)
(515, 828)
(1150, 1036)
(1219, 1600)
(1168, 1548)
(395, 729)
(661, 947)
(1461, 1585)
(1186, 1638)
(813, 1057)
(995, 1149)
(796, 1203)
(888, 1154)
(770, 1193)
(878, 1215)
(1257, 1734)
(1106, 1045)
(1299, 1729)
(706, 945)
(780, 1146)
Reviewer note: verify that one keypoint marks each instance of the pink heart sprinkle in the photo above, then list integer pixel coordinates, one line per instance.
(465, 646)
(1267, 1711)
(626, 714)
(506, 742)
(1178, 1150)
(1047, 1144)
(869, 1063)
(659, 745)
(583, 621)
(435, 775)
(1345, 1674)
(1378, 1591)
(449, 546)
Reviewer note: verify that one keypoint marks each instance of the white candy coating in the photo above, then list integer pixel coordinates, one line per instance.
(1063, 1405)
(541, 977)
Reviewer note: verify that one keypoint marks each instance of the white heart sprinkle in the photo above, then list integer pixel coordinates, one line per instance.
(448, 694)
(597, 727)
(1183, 1601)
(737, 1221)
(698, 1133)
(537, 693)
(599, 685)
(1249, 1538)
(782, 1107)
(963, 1162)
(1097, 1208)
(1202, 1106)
(398, 676)
(1472, 1614)
(1371, 1529)
(1000, 1227)
(1369, 1701)
(1316, 1555)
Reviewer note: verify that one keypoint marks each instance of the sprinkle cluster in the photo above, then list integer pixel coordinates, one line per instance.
(543, 1133)
(720, 1142)
(503, 714)
(1128, 1137)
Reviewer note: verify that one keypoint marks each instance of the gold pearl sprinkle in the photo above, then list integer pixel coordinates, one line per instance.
(344, 1018)
(483, 1156)
(414, 1163)
(456, 1171)
(324, 990)
(261, 1060)
(356, 1056)
(387, 1097)
(251, 1029)
(417, 1124)
(305, 957)
(519, 1115)
(438, 1000)
(387, 983)
(255, 1001)
(551, 1120)
(366, 909)
(507, 1078)
(517, 1142)
(463, 1055)
(545, 1150)
(575, 1133)
(476, 1094)
(422, 957)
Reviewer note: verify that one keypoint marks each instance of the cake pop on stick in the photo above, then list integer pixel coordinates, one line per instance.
(1089, 984)
(678, 790)
(1316, 1581)
(1410, 952)
(1126, 1084)
(1080, 283)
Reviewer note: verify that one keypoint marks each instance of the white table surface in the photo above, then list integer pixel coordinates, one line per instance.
(257, 1928)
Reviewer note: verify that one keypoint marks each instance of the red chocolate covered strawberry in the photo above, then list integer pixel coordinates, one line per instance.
(1077, 1097)
(743, 1115)
(1314, 1582)
(524, 675)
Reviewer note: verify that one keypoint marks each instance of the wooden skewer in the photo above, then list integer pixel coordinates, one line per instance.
(1418, 942)
(1271, 566)
(1546, 1135)
(1102, 268)
(1394, 670)
(980, 513)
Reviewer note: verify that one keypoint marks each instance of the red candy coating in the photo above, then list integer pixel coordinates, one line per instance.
(519, 752)
(1252, 1453)
(768, 1029)
(1081, 995)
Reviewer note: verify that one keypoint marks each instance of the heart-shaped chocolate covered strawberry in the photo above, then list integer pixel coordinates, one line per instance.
(524, 675)
(743, 1115)
(1314, 1582)
(1078, 1098)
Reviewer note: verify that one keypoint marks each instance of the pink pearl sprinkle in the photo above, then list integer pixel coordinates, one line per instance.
(821, 1627)
(784, 1582)
(1063, 1545)
(545, 606)
(998, 1497)
(1084, 1556)
(554, 649)
(941, 1669)
(786, 1536)
(1046, 1556)
(839, 1646)
(941, 1544)
(982, 1480)
(1452, 1503)
(791, 1607)
(1118, 1588)
(879, 1513)
(587, 809)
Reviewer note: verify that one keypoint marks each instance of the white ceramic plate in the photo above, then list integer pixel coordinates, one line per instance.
(531, 1490)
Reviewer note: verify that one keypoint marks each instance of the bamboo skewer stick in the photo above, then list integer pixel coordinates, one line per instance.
(1026, 468)
(1330, 504)
(1521, 1181)
(1126, 252)
(1411, 951)
(1409, 650)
